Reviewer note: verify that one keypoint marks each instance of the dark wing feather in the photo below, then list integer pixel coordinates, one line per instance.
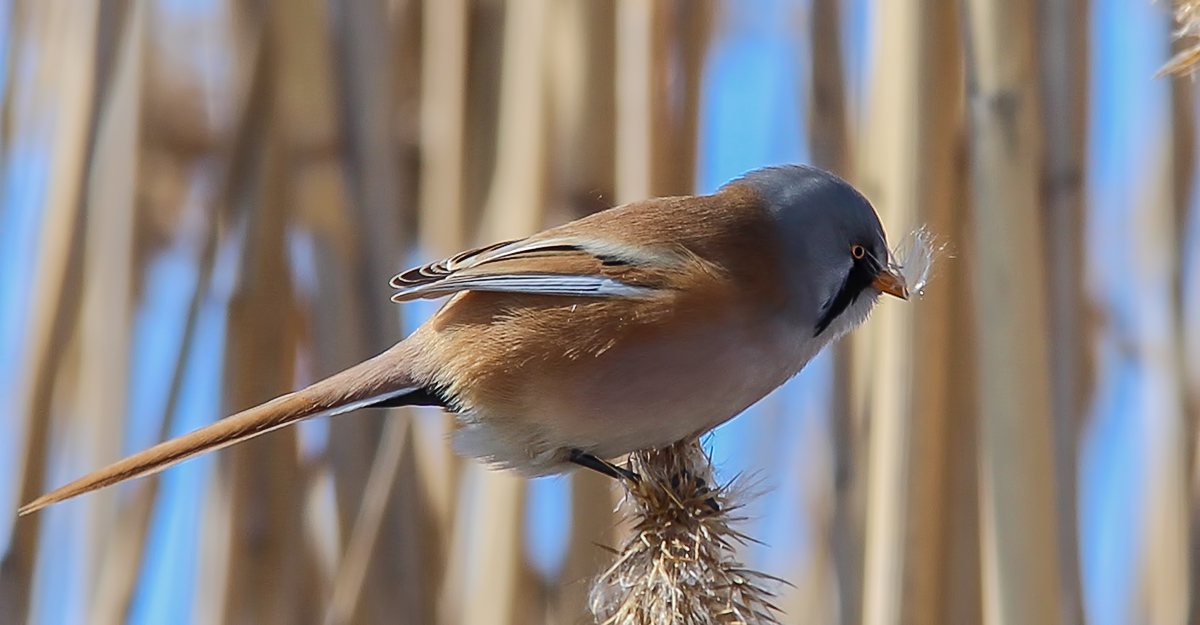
(546, 266)
(440, 269)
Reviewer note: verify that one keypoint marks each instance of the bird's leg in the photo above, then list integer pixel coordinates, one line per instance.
(698, 485)
(605, 467)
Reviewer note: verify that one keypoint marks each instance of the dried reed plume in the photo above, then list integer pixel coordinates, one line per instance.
(1187, 16)
(678, 566)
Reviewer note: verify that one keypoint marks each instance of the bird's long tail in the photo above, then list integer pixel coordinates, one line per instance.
(384, 379)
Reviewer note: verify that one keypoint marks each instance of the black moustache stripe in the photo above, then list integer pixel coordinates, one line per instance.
(861, 276)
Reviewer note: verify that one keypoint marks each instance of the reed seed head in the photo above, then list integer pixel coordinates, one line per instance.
(679, 566)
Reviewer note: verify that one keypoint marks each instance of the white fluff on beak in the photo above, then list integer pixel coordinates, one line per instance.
(913, 258)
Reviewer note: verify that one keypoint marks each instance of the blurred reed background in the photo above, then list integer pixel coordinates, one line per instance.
(201, 202)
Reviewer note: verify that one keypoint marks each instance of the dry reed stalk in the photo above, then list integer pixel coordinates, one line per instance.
(107, 285)
(1063, 52)
(213, 552)
(910, 363)
(634, 103)
(1185, 311)
(334, 329)
(679, 36)
(582, 49)
(362, 68)
(267, 579)
(828, 126)
(679, 565)
(381, 203)
(59, 112)
(343, 313)
(426, 475)
(1183, 160)
(124, 557)
(516, 192)
(889, 173)
(829, 140)
(110, 261)
(1164, 581)
(1021, 572)
(216, 533)
(443, 100)
(265, 574)
(491, 579)
(368, 117)
(364, 536)
(15, 15)
(941, 580)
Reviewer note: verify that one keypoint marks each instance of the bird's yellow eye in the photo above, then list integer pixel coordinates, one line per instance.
(858, 252)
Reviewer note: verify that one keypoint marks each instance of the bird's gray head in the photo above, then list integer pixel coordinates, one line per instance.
(835, 254)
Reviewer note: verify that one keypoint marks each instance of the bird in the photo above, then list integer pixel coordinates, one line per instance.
(631, 328)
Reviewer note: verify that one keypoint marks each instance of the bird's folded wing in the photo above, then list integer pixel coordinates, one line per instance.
(542, 266)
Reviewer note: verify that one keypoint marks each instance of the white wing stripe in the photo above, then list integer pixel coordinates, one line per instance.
(536, 284)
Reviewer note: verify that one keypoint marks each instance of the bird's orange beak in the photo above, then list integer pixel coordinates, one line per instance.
(892, 283)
